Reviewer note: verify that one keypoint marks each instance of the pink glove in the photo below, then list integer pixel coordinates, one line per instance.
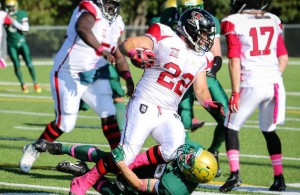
(142, 58)
(213, 106)
(233, 103)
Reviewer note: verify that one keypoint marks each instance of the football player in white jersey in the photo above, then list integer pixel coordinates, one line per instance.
(93, 36)
(4, 20)
(257, 58)
(181, 59)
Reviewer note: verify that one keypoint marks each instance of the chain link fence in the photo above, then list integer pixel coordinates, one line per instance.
(44, 41)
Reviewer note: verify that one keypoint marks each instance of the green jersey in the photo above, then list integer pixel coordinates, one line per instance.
(170, 17)
(14, 35)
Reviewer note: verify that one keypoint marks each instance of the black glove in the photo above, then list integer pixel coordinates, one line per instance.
(215, 67)
(129, 86)
(214, 107)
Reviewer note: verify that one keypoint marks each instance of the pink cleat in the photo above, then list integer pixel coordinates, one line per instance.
(80, 185)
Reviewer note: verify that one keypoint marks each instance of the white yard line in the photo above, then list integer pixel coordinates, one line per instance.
(244, 188)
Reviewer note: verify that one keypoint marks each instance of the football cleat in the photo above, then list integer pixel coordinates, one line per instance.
(196, 124)
(216, 155)
(30, 154)
(77, 169)
(43, 145)
(37, 88)
(279, 184)
(233, 181)
(24, 88)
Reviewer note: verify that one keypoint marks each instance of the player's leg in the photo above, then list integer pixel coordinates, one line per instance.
(12, 51)
(169, 135)
(25, 52)
(66, 102)
(99, 97)
(138, 114)
(249, 100)
(268, 116)
(185, 110)
(218, 94)
(118, 95)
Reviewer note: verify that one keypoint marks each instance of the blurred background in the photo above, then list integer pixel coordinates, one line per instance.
(49, 19)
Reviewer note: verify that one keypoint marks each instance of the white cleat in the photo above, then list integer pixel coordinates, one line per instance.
(30, 154)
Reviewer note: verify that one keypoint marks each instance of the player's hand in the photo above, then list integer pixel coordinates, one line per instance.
(106, 54)
(142, 58)
(214, 106)
(233, 103)
(129, 86)
(109, 57)
(117, 154)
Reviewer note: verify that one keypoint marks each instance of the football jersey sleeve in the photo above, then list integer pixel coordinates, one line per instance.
(227, 27)
(157, 32)
(89, 7)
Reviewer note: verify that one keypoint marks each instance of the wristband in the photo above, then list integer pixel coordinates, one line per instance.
(99, 50)
(206, 102)
(125, 75)
(131, 52)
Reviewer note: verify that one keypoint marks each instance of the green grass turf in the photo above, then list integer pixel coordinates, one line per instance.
(24, 116)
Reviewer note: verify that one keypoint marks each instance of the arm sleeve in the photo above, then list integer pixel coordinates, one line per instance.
(281, 49)
(233, 46)
(24, 26)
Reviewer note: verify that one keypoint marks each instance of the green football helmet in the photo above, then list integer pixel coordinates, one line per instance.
(198, 165)
(169, 3)
(183, 5)
(11, 6)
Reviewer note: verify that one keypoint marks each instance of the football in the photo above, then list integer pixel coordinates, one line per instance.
(142, 58)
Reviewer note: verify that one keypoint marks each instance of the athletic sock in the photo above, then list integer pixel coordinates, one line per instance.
(277, 164)
(83, 152)
(111, 131)
(151, 157)
(233, 158)
(51, 132)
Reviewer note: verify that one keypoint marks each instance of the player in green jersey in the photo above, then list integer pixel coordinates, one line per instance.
(192, 165)
(170, 17)
(16, 43)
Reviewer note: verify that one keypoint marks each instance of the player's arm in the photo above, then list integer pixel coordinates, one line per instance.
(142, 185)
(135, 42)
(201, 88)
(235, 74)
(23, 26)
(282, 54)
(123, 69)
(83, 28)
(203, 95)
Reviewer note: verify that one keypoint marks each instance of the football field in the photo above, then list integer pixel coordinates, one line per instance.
(23, 118)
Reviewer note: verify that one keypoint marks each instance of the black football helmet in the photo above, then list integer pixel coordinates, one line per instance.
(110, 8)
(239, 5)
(198, 26)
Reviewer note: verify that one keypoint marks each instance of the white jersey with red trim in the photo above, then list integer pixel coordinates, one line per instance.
(75, 55)
(258, 37)
(174, 71)
(3, 15)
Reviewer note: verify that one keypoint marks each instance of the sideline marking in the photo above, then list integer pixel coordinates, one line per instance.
(245, 188)
(40, 187)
